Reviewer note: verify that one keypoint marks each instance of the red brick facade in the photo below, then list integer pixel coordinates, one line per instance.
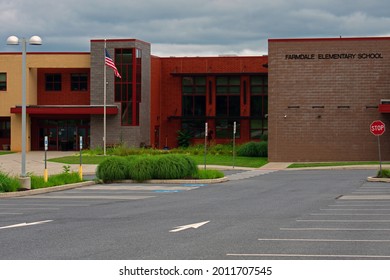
(323, 96)
(166, 90)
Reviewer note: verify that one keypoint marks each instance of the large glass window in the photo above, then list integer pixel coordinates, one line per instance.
(3, 81)
(194, 105)
(79, 82)
(193, 96)
(128, 88)
(259, 106)
(53, 82)
(227, 105)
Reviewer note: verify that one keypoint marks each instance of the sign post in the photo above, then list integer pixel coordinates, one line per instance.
(234, 143)
(205, 144)
(45, 173)
(81, 165)
(378, 128)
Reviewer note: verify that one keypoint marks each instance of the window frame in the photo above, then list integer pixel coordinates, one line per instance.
(3, 84)
(80, 84)
(54, 84)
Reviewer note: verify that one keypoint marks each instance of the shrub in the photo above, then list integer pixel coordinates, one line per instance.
(253, 149)
(385, 173)
(8, 183)
(112, 169)
(183, 138)
(175, 167)
(209, 174)
(38, 182)
(142, 168)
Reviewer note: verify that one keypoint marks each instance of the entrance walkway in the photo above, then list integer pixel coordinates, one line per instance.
(35, 163)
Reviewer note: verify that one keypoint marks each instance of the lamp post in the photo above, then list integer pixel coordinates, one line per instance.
(34, 40)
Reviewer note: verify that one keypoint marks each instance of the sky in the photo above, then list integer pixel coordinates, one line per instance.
(189, 28)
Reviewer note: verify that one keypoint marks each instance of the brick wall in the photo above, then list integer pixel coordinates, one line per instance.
(321, 104)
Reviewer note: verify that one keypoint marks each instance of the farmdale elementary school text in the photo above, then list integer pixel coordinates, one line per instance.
(334, 56)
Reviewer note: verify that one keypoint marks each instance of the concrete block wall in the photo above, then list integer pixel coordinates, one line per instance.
(323, 96)
(132, 136)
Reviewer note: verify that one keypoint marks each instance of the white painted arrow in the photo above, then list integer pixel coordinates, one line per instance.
(27, 224)
(197, 225)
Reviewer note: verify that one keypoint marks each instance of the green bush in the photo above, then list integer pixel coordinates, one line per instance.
(142, 168)
(174, 167)
(209, 174)
(38, 182)
(8, 183)
(253, 149)
(112, 169)
(385, 173)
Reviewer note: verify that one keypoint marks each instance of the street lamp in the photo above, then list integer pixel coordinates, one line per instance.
(34, 40)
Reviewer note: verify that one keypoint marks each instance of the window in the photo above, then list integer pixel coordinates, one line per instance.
(194, 96)
(79, 82)
(3, 81)
(128, 89)
(5, 127)
(53, 82)
(259, 106)
(227, 105)
(194, 105)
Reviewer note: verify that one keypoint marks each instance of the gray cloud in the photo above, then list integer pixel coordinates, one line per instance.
(203, 27)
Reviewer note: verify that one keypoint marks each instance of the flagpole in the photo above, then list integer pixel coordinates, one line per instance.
(105, 97)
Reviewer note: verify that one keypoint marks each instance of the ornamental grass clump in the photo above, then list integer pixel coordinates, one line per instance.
(142, 168)
(113, 169)
(175, 167)
(8, 183)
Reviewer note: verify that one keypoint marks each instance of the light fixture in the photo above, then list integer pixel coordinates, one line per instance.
(34, 40)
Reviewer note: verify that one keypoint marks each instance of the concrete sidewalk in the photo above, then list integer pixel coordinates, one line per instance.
(35, 163)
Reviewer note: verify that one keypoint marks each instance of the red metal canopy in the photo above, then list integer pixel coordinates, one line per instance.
(66, 110)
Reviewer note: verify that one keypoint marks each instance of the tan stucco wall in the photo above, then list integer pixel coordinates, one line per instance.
(11, 63)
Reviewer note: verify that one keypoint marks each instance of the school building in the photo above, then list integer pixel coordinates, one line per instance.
(313, 98)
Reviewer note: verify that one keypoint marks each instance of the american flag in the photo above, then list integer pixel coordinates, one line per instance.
(109, 62)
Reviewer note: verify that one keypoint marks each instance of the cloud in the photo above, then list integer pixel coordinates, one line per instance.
(203, 27)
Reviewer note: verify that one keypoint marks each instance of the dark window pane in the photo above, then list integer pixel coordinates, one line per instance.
(222, 106)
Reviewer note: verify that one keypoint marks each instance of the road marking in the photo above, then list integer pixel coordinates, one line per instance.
(181, 228)
(364, 197)
(321, 240)
(359, 205)
(26, 224)
(336, 229)
(346, 221)
(310, 256)
(35, 208)
(349, 214)
(354, 209)
(102, 197)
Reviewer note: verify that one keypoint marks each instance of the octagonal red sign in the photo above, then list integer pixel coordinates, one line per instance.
(377, 128)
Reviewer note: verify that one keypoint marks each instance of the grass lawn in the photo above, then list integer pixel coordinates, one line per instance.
(325, 164)
(5, 152)
(199, 159)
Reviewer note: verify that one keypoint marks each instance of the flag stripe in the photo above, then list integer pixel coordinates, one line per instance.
(110, 63)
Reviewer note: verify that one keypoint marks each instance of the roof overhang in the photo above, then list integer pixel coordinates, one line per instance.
(66, 110)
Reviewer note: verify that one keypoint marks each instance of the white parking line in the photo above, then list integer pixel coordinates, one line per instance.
(97, 197)
(322, 240)
(348, 214)
(359, 205)
(331, 209)
(310, 256)
(336, 229)
(346, 221)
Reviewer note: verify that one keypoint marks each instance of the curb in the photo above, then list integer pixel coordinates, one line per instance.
(179, 181)
(381, 180)
(46, 190)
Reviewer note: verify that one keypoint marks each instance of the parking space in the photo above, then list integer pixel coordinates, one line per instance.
(354, 226)
(20, 209)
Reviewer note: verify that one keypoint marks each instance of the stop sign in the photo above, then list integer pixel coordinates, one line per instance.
(377, 128)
